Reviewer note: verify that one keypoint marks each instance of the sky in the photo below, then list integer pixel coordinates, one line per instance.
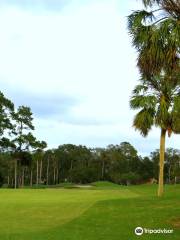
(72, 62)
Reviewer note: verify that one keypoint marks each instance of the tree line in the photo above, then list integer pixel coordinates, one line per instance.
(25, 162)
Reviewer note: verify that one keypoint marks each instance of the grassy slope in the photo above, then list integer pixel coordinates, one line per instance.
(72, 214)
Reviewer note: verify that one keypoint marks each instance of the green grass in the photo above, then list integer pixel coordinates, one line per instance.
(88, 214)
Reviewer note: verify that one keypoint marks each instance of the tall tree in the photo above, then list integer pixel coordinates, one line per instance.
(23, 138)
(38, 156)
(48, 157)
(172, 164)
(158, 100)
(157, 40)
(6, 110)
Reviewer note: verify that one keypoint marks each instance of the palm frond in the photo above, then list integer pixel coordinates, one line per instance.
(150, 3)
(162, 115)
(144, 121)
(139, 88)
(141, 101)
(158, 41)
(138, 31)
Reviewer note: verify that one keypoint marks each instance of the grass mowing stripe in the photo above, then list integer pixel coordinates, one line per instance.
(36, 210)
(96, 214)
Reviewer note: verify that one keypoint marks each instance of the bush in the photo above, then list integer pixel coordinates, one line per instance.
(130, 178)
(83, 175)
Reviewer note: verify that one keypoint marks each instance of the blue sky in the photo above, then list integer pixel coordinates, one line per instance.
(72, 62)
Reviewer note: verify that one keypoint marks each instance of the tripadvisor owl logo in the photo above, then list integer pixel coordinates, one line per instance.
(138, 231)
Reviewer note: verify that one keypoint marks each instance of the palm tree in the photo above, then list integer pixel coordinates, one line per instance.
(158, 100)
(155, 33)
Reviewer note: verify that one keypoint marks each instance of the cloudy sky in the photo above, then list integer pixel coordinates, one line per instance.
(72, 62)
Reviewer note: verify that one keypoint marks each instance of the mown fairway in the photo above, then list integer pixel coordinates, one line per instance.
(106, 213)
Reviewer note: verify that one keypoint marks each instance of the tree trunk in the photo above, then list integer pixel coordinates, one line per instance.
(71, 167)
(31, 178)
(47, 172)
(37, 172)
(54, 174)
(169, 174)
(175, 179)
(8, 179)
(40, 172)
(102, 173)
(161, 163)
(15, 173)
(19, 181)
(23, 176)
(57, 176)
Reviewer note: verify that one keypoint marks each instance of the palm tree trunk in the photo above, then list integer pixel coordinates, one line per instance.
(161, 163)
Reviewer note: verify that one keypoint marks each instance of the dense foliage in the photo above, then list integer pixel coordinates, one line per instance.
(78, 164)
(25, 162)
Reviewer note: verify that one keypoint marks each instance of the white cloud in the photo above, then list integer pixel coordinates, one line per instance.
(83, 52)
